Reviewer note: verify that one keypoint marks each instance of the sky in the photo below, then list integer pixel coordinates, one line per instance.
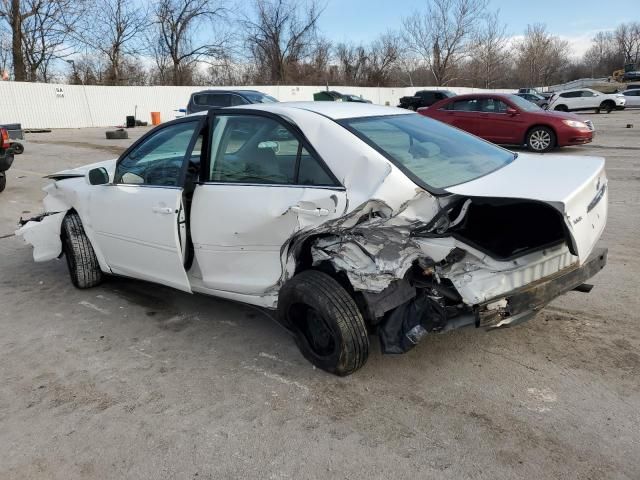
(575, 21)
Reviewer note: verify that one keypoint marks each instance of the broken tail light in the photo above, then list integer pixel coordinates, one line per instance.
(4, 135)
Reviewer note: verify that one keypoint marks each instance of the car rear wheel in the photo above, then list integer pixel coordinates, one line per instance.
(607, 106)
(3, 181)
(541, 139)
(18, 148)
(328, 327)
(84, 268)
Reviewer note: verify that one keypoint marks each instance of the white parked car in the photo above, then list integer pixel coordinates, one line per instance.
(349, 219)
(586, 99)
(632, 97)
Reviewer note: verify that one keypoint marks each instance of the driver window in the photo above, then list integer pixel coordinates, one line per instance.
(158, 160)
(493, 105)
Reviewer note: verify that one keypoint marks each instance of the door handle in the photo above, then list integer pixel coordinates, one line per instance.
(162, 210)
(314, 212)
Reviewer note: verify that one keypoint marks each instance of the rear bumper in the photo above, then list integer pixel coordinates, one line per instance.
(522, 304)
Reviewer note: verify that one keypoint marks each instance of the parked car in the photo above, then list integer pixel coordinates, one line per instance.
(424, 98)
(6, 157)
(586, 99)
(511, 120)
(632, 97)
(633, 86)
(15, 133)
(349, 219)
(539, 100)
(333, 96)
(206, 99)
(629, 76)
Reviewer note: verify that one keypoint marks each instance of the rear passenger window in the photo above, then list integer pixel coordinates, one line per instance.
(212, 100)
(260, 150)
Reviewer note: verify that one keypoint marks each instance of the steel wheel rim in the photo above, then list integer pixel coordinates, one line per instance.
(540, 140)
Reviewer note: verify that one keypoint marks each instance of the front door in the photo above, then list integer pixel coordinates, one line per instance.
(264, 183)
(135, 219)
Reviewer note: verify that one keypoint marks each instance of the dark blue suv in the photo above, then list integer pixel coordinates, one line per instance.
(207, 99)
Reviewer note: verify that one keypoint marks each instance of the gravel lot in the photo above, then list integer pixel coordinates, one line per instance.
(133, 380)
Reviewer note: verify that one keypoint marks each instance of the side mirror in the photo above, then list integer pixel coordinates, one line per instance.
(98, 176)
(511, 111)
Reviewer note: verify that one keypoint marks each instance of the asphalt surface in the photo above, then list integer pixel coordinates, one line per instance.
(133, 380)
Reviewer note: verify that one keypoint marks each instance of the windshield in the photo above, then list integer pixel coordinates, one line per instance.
(523, 104)
(257, 97)
(431, 153)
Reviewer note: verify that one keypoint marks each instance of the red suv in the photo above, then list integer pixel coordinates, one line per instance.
(511, 120)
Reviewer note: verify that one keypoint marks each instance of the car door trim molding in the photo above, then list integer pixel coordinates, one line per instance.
(287, 185)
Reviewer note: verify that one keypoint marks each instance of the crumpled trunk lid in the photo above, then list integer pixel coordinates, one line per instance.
(574, 185)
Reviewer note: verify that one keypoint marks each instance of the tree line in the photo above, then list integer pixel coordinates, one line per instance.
(254, 42)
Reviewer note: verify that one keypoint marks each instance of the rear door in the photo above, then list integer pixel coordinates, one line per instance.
(264, 182)
(137, 218)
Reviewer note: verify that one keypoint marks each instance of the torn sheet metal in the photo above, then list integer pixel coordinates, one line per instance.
(44, 235)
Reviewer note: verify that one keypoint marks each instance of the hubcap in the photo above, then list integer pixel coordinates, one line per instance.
(314, 328)
(540, 140)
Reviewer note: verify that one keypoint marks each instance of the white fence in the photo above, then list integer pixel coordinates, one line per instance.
(43, 105)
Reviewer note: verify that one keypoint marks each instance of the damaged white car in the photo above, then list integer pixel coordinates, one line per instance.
(349, 219)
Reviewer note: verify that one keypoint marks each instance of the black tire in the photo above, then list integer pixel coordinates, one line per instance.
(117, 134)
(607, 106)
(18, 148)
(84, 268)
(541, 139)
(3, 181)
(328, 327)
(561, 108)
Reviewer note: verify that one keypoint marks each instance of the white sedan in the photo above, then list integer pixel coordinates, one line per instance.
(349, 219)
(633, 97)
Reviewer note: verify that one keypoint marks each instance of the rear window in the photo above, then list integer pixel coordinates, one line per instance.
(257, 97)
(432, 154)
(212, 99)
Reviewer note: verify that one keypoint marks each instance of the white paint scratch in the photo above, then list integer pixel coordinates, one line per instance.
(274, 358)
(94, 307)
(542, 397)
(276, 377)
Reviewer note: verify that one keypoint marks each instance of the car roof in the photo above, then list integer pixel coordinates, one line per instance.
(479, 95)
(333, 110)
(226, 91)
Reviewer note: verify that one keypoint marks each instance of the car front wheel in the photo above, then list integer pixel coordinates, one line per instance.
(84, 268)
(328, 327)
(541, 139)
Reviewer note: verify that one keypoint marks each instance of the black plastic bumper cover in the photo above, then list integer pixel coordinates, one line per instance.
(528, 300)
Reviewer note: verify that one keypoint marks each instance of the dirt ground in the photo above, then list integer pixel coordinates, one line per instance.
(133, 380)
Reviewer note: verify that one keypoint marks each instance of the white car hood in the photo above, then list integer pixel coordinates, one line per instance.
(574, 185)
(82, 170)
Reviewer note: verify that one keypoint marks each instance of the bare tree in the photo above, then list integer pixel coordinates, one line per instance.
(540, 56)
(627, 36)
(178, 24)
(39, 30)
(489, 46)
(603, 56)
(440, 35)
(5, 54)
(281, 34)
(118, 34)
